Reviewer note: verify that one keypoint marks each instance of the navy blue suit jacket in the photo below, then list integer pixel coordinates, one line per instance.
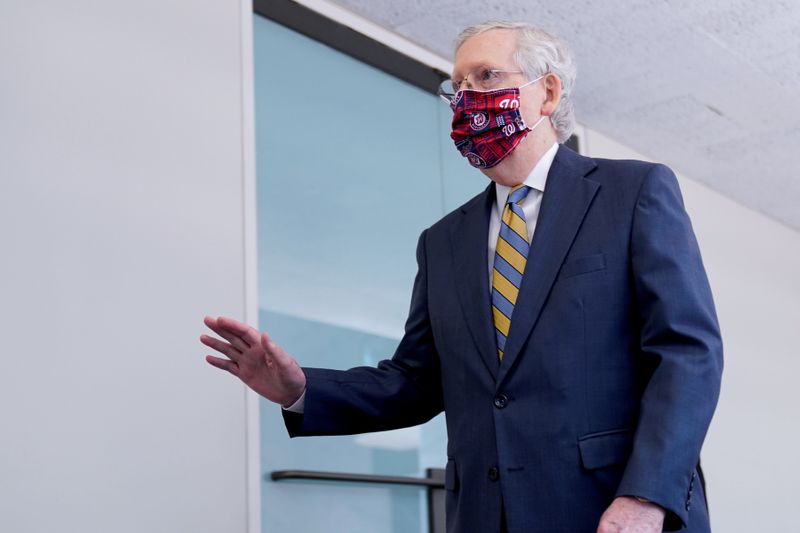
(611, 370)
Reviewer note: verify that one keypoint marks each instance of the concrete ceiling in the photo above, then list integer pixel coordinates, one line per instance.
(711, 88)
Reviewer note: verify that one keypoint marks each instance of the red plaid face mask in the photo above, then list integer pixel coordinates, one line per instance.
(487, 126)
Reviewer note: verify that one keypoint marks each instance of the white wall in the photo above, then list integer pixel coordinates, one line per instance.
(122, 180)
(750, 456)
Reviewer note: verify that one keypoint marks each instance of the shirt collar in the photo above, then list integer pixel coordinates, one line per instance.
(535, 180)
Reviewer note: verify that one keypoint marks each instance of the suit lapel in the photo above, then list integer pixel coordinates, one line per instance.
(566, 199)
(469, 238)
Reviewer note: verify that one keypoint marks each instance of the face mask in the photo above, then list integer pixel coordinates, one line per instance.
(487, 126)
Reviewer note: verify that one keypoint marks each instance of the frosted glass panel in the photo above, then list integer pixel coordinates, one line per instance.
(361, 507)
(348, 170)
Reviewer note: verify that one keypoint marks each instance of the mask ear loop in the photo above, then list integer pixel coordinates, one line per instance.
(532, 81)
(541, 118)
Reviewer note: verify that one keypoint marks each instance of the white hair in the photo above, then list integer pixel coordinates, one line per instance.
(538, 53)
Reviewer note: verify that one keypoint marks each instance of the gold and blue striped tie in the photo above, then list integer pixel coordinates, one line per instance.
(510, 257)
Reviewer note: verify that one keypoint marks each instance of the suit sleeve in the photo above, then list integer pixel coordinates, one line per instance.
(680, 341)
(402, 391)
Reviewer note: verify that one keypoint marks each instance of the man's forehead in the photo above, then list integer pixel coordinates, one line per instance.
(490, 49)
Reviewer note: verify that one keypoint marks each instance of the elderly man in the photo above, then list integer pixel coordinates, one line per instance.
(562, 319)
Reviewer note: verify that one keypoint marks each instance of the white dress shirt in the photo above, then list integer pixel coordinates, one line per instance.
(536, 180)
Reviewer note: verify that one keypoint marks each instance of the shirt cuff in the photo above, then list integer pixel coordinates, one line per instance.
(298, 406)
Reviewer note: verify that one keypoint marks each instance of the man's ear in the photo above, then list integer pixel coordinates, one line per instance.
(552, 87)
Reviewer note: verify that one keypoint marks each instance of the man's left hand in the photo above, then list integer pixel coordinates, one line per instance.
(629, 515)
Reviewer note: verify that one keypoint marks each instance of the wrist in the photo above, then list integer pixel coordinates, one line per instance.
(649, 504)
(293, 404)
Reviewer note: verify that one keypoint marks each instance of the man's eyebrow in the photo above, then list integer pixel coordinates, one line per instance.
(483, 65)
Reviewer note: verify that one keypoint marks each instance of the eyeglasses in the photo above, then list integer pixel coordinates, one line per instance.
(483, 79)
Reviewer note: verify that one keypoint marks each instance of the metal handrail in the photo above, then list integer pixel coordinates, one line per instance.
(279, 475)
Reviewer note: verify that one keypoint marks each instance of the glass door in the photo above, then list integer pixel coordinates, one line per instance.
(352, 164)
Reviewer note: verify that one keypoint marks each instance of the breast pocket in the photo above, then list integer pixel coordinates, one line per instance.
(582, 265)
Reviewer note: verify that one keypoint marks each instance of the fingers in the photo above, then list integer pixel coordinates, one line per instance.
(220, 327)
(223, 364)
(220, 346)
(274, 352)
(245, 332)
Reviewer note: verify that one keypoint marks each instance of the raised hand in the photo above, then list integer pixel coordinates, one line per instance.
(252, 357)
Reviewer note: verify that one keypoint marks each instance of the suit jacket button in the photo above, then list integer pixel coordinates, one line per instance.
(501, 401)
(494, 474)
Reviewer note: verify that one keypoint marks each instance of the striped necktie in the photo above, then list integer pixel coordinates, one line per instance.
(510, 257)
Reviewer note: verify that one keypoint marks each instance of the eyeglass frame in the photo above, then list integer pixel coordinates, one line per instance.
(449, 97)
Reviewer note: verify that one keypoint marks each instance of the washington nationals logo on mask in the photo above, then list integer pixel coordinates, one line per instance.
(509, 103)
(479, 121)
(475, 160)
